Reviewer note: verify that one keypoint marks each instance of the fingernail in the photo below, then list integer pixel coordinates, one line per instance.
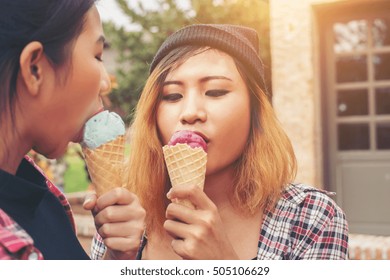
(169, 194)
(87, 200)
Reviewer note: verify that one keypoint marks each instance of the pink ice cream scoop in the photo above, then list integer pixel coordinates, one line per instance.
(188, 137)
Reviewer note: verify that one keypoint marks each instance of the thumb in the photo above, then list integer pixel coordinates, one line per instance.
(90, 201)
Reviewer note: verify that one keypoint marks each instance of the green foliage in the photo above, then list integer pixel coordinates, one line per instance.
(136, 48)
(75, 177)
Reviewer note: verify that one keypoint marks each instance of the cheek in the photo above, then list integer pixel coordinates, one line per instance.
(232, 120)
(87, 80)
(232, 131)
(85, 89)
(233, 137)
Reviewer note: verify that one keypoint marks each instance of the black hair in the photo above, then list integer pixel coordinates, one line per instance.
(54, 23)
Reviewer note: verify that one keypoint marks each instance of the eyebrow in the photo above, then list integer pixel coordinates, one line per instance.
(203, 80)
(208, 78)
(101, 39)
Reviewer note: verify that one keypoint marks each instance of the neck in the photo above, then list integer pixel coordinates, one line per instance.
(12, 150)
(219, 187)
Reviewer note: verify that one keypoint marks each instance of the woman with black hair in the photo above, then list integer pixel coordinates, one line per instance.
(51, 81)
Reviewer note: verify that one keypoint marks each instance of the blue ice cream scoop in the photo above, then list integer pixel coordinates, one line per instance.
(102, 128)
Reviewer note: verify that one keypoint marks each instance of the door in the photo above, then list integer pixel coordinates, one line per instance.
(355, 51)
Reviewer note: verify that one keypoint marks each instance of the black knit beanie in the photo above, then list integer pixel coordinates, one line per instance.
(238, 41)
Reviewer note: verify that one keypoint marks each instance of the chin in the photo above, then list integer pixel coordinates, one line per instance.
(53, 154)
(219, 168)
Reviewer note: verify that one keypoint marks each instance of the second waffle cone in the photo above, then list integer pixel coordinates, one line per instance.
(186, 166)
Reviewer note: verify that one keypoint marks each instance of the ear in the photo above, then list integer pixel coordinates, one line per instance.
(32, 64)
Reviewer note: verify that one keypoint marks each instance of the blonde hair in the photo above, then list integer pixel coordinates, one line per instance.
(265, 167)
(268, 162)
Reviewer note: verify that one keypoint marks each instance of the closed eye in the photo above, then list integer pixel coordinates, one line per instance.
(172, 97)
(216, 92)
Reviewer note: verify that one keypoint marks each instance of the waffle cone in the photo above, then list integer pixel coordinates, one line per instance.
(105, 164)
(186, 166)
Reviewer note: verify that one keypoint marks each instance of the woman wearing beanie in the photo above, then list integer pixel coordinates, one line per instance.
(51, 81)
(209, 79)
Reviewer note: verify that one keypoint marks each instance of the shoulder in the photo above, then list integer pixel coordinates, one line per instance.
(303, 204)
(297, 193)
(310, 208)
(314, 211)
(55, 191)
(305, 224)
(15, 243)
(309, 199)
(50, 185)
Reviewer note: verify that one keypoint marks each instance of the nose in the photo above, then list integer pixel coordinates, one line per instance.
(193, 110)
(105, 82)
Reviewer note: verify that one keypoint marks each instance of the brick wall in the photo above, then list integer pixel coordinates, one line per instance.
(369, 247)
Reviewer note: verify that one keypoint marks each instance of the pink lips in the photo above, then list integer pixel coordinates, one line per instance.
(191, 138)
(78, 137)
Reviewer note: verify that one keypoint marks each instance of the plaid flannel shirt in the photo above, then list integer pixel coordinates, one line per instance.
(305, 224)
(15, 243)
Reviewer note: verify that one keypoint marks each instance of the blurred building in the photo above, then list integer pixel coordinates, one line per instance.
(110, 58)
(331, 91)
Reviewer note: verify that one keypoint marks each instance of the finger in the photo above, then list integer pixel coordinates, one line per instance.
(178, 246)
(177, 229)
(181, 213)
(122, 244)
(90, 201)
(115, 196)
(126, 229)
(120, 213)
(192, 193)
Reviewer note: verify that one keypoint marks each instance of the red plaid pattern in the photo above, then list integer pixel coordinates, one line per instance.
(15, 243)
(306, 224)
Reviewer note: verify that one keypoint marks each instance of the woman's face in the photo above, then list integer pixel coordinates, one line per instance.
(208, 95)
(70, 102)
